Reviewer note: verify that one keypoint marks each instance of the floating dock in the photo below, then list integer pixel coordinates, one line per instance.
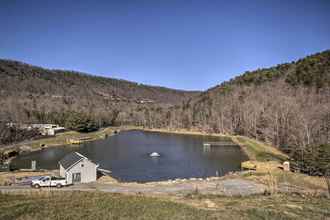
(78, 140)
(219, 143)
(104, 171)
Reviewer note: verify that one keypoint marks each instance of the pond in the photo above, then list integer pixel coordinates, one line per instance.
(127, 155)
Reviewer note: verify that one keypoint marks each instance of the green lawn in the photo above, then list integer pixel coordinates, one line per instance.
(88, 205)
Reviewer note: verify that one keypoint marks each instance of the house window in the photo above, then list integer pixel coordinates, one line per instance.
(76, 177)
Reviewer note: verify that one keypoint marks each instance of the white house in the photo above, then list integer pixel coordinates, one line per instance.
(50, 129)
(77, 168)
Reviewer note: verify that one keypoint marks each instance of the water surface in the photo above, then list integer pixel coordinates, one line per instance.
(127, 156)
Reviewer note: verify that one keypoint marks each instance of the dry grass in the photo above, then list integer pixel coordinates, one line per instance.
(61, 138)
(289, 181)
(276, 206)
(84, 205)
(271, 183)
(259, 151)
(185, 132)
(107, 179)
(94, 206)
(268, 162)
(327, 181)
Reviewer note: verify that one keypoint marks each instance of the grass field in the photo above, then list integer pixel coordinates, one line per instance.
(259, 151)
(86, 205)
(61, 138)
(78, 205)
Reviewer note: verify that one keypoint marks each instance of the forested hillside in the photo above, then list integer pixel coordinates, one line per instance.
(34, 94)
(287, 105)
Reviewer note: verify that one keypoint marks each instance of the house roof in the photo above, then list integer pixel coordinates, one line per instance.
(71, 159)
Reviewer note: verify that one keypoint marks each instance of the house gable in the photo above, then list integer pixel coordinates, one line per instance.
(71, 159)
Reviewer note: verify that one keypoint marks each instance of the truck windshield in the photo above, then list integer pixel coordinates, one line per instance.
(43, 178)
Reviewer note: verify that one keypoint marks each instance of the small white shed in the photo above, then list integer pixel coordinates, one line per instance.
(77, 168)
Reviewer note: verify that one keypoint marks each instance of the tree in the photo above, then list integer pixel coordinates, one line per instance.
(80, 122)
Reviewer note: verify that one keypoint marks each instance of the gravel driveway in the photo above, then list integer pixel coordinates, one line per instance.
(228, 187)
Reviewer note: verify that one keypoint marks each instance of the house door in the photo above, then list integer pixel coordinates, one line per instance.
(76, 177)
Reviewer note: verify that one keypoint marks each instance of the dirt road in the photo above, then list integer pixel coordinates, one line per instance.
(228, 187)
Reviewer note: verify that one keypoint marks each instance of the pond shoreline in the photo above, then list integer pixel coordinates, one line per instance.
(110, 131)
(137, 129)
(58, 140)
(35, 145)
(265, 169)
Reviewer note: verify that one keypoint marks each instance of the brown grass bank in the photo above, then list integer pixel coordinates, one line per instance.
(87, 205)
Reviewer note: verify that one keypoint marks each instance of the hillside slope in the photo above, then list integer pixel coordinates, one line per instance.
(292, 94)
(28, 92)
(287, 106)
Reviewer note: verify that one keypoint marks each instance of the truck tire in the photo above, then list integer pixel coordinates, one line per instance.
(37, 186)
(59, 185)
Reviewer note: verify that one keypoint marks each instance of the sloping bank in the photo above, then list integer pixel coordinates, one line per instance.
(96, 205)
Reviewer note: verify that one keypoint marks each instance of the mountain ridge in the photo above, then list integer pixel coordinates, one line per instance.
(22, 63)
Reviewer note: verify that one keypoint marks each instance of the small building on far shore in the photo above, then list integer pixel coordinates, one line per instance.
(76, 168)
(44, 129)
(48, 129)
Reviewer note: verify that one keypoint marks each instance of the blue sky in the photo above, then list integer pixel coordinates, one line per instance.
(180, 44)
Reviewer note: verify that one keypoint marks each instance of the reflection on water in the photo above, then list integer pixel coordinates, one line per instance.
(127, 155)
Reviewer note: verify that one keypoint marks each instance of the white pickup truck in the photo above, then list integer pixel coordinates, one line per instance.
(49, 181)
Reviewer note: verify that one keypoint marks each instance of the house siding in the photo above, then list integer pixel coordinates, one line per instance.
(85, 167)
(62, 171)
